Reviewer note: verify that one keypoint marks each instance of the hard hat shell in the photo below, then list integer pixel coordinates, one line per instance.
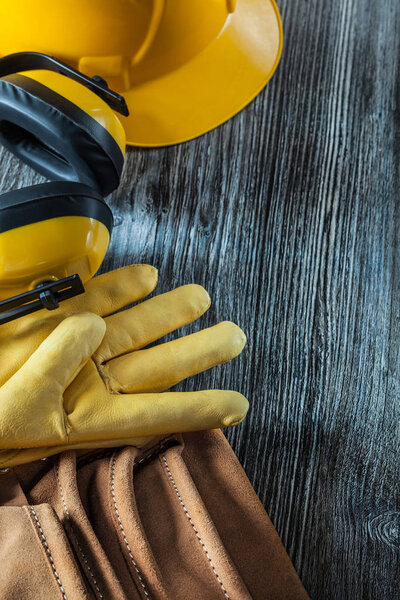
(183, 66)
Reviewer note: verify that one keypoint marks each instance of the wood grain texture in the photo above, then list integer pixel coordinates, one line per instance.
(289, 215)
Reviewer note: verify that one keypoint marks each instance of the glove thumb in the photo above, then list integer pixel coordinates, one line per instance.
(61, 356)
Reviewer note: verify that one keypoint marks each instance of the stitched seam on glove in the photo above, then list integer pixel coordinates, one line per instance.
(9, 457)
(112, 385)
(67, 425)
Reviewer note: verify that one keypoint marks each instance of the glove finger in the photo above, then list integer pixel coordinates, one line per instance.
(157, 369)
(141, 415)
(11, 458)
(61, 356)
(107, 293)
(139, 326)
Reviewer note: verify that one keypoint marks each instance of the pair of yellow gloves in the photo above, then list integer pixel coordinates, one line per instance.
(83, 377)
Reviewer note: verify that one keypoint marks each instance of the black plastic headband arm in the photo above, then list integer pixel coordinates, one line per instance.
(47, 295)
(31, 61)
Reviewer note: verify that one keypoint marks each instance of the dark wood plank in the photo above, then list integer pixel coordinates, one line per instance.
(289, 215)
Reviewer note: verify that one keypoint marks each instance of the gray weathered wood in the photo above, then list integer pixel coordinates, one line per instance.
(290, 216)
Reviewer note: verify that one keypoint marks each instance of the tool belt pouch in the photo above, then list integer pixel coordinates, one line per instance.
(176, 520)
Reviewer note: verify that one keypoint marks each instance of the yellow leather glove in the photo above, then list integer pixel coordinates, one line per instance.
(108, 403)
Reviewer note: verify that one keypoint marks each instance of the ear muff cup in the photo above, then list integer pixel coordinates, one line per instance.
(56, 137)
(50, 232)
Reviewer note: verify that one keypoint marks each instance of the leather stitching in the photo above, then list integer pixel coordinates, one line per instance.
(123, 531)
(9, 457)
(189, 518)
(72, 533)
(48, 552)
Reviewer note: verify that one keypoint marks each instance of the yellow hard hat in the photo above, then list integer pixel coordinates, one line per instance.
(183, 66)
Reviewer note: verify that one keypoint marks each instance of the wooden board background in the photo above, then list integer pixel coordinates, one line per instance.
(290, 216)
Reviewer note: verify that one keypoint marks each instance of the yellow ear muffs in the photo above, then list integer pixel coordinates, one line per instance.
(61, 128)
(54, 236)
(55, 136)
(49, 232)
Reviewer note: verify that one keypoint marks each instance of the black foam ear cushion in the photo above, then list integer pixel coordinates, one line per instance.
(56, 137)
(50, 200)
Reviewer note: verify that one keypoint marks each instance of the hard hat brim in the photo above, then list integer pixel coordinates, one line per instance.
(212, 87)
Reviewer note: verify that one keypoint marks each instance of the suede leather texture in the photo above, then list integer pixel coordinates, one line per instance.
(177, 520)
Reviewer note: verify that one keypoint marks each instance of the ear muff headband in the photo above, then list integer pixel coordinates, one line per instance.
(51, 200)
(34, 61)
(55, 234)
(56, 137)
